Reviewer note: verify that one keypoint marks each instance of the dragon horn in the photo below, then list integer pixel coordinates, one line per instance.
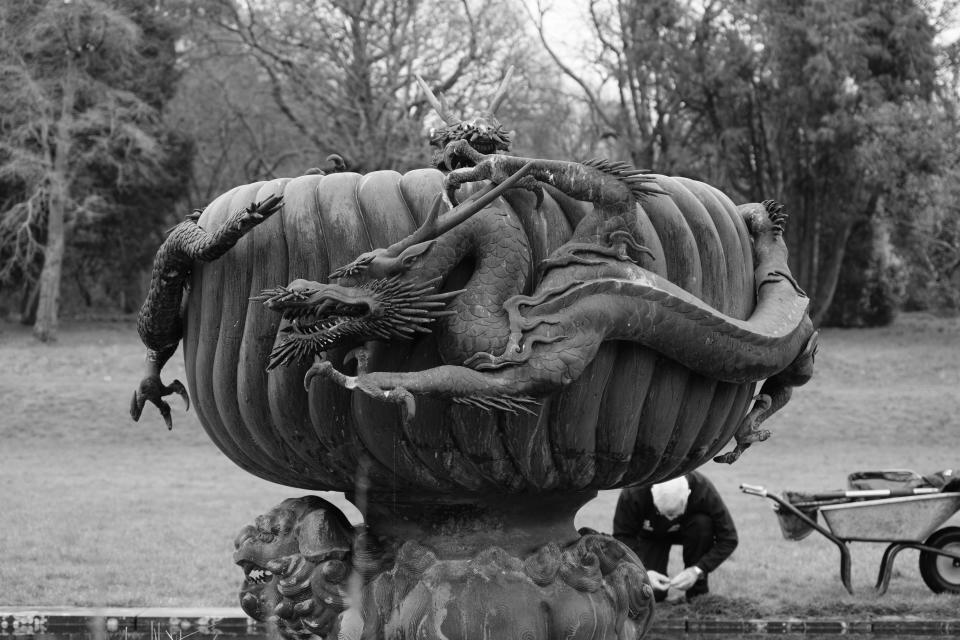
(434, 226)
(426, 231)
(501, 93)
(436, 103)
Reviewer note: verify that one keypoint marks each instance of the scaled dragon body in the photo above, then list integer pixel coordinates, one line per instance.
(473, 319)
(607, 335)
(592, 290)
(504, 343)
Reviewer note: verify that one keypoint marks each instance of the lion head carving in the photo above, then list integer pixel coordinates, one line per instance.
(296, 563)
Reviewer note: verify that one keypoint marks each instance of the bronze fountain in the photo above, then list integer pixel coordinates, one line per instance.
(470, 354)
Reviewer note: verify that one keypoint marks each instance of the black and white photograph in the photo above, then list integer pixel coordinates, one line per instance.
(479, 319)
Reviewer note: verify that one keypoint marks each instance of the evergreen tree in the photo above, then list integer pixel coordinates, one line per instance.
(80, 132)
(790, 100)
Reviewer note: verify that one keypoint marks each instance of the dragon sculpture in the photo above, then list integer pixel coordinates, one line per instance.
(504, 345)
(515, 318)
(159, 323)
(592, 289)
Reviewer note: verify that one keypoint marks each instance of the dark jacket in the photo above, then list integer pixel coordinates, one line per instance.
(637, 517)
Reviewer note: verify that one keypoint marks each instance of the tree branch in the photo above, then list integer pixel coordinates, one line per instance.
(567, 71)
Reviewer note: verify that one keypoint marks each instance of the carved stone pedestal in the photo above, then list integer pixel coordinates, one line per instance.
(510, 567)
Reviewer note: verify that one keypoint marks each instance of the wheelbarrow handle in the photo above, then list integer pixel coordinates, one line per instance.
(754, 490)
(874, 493)
(845, 560)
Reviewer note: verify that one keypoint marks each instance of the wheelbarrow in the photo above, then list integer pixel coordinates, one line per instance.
(903, 518)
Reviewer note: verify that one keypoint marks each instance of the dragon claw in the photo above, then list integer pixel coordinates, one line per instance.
(165, 413)
(136, 406)
(538, 191)
(366, 383)
(323, 368)
(730, 456)
(776, 214)
(257, 212)
(388, 393)
(177, 387)
(152, 390)
(532, 185)
(452, 194)
(360, 355)
(406, 401)
(460, 149)
(465, 164)
(267, 207)
(748, 431)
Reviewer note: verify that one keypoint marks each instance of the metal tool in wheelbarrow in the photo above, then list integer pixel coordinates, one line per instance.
(901, 517)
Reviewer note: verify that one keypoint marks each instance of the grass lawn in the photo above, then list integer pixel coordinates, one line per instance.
(96, 510)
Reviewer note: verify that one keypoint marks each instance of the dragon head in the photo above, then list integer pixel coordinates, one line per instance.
(321, 316)
(379, 295)
(483, 131)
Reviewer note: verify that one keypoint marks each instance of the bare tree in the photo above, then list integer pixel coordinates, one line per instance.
(60, 117)
(293, 82)
(632, 67)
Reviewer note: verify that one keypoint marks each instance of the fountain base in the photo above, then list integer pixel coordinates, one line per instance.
(432, 568)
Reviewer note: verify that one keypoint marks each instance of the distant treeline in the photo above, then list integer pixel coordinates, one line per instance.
(120, 116)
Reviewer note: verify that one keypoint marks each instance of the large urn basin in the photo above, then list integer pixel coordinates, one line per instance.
(633, 416)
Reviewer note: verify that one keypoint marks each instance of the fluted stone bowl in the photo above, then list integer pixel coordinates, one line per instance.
(633, 416)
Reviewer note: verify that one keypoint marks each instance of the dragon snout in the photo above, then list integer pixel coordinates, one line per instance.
(332, 315)
(305, 298)
(315, 322)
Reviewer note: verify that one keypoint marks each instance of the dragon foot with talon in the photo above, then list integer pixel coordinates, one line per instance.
(748, 431)
(774, 395)
(480, 167)
(367, 383)
(159, 323)
(153, 390)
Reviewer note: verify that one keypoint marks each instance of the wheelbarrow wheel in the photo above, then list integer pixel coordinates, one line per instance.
(942, 573)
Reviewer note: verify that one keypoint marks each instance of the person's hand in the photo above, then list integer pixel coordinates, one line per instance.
(659, 581)
(686, 578)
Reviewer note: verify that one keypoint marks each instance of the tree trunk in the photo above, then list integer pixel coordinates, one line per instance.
(830, 274)
(803, 239)
(28, 304)
(45, 328)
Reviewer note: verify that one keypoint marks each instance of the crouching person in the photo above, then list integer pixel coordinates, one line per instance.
(686, 511)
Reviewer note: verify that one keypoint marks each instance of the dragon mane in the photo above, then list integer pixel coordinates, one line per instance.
(640, 181)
